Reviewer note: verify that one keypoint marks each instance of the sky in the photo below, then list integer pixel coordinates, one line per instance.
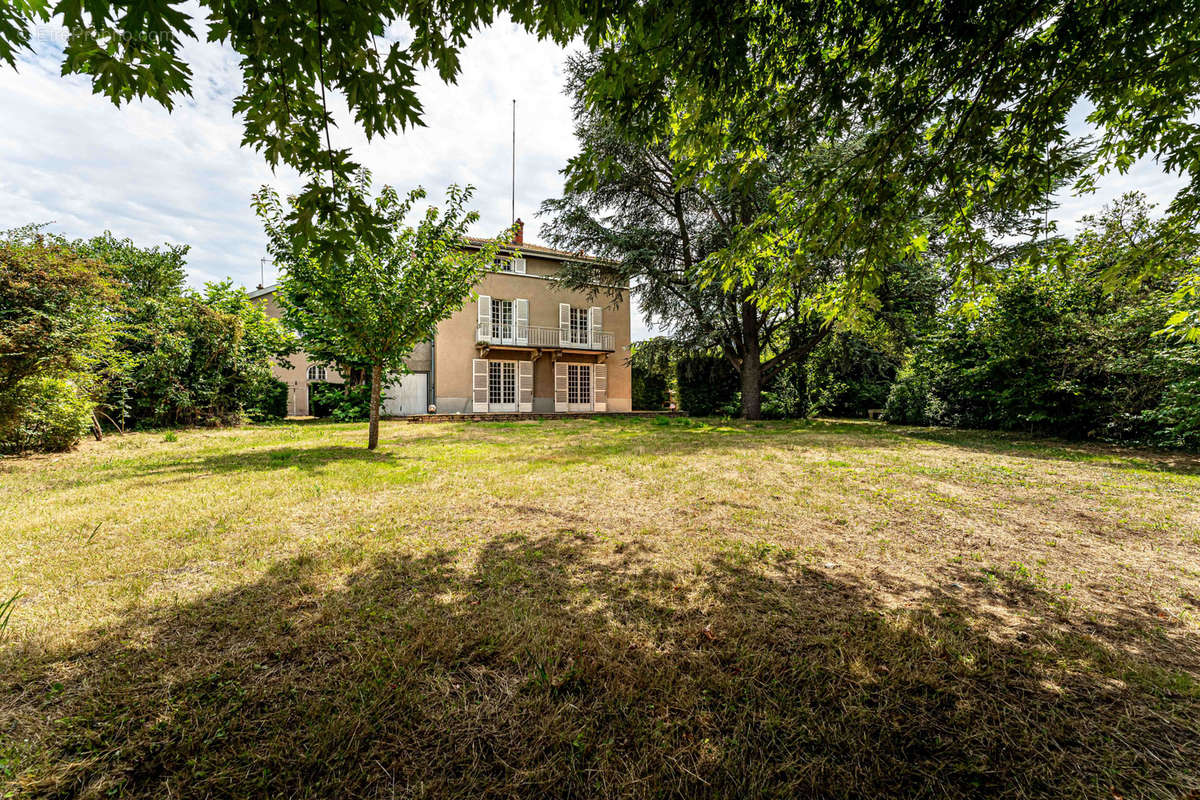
(71, 158)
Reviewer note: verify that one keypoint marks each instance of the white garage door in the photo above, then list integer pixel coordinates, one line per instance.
(407, 396)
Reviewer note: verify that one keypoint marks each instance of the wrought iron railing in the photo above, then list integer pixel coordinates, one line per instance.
(517, 334)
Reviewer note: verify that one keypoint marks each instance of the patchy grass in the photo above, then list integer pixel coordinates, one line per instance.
(599, 608)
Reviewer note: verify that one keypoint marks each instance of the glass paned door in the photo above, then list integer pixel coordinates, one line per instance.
(579, 387)
(580, 326)
(502, 386)
(502, 320)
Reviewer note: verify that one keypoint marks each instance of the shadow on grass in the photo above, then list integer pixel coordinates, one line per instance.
(1049, 449)
(556, 667)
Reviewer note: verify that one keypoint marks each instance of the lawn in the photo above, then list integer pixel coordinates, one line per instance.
(599, 608)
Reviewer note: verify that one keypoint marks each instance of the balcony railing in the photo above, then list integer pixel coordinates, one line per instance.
(519, 335)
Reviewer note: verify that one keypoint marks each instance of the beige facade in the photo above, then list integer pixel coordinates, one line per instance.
(523, 343)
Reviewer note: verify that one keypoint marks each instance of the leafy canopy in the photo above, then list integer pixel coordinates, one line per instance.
(376, 306)
(939, 111)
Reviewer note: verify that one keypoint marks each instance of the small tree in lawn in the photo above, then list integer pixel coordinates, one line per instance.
(375, 305)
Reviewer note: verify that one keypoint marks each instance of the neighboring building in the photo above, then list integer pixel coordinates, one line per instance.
(527, 345)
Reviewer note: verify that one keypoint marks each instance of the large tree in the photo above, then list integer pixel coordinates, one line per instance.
(388, 295)
(624, 200)
(941, 110)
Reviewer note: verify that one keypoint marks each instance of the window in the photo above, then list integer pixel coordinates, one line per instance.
(316, 373)
(579, 384)
(580, 326)
(502, 385)
(502, 319)
(504, 264)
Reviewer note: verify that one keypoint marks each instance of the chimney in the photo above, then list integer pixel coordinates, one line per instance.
(520, 235)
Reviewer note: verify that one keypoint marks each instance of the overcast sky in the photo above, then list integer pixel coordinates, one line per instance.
(72, 158)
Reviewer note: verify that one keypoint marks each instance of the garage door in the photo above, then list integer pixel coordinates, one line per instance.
(407, 396)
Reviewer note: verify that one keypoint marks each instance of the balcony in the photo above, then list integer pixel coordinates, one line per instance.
(536, 337)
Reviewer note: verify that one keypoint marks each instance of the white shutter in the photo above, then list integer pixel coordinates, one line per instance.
(564, 324)
(560, 386)
(479, 384)
(518, 265)
(594, 317)
(521, 320)
(525, 386)
(485, 319)
(600, 387)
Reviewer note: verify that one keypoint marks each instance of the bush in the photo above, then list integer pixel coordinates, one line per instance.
(707, 385)
(267, 399)
(650, 391)
(52, 416)
(340, 402)
(910, 399)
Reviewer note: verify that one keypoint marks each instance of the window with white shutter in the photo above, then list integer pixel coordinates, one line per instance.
(525, 386)
(484, 333)
(596, 314)
(600, 387)
(479, 384)
(521, 320)
(564, 324)
(560, 386)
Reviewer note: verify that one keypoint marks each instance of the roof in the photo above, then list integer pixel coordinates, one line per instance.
(540, 250)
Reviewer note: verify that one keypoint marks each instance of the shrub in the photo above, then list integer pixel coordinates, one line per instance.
(706, 385)
(267, 399)
(650, 391)
(909, 401)
(52, 416)
(341, 402)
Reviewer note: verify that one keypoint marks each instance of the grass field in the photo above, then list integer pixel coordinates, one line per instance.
(599, 608)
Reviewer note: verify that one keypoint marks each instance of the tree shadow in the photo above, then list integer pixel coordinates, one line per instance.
(560, 666)
(1050, 449)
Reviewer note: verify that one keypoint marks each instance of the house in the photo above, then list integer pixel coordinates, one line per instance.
(527, 345)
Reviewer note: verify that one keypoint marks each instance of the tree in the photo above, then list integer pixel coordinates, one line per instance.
(942, 110)
(53, 320)
(682, 244)
(376, 305)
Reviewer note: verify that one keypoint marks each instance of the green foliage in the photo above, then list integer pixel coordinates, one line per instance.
(266, 399)
(341, 402)
(52, 414)
(1055, 354)
(196, 358)
(53, 313)
(652, 367)
(372, 308)
(708, 385)
(650, 392)
(140, 273)
(943, 115)
(848, 375)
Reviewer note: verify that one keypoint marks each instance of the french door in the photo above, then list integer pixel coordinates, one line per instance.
(502, 386)
(579, 387)
(502, 321)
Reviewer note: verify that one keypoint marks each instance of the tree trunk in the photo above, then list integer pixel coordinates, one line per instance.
(751, 364)
(376, 391)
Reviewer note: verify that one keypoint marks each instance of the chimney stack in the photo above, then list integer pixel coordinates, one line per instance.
(520, 236)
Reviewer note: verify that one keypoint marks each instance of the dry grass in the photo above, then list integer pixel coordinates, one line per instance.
(600, 608)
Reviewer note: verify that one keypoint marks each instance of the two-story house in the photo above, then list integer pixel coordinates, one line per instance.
(528, 344)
